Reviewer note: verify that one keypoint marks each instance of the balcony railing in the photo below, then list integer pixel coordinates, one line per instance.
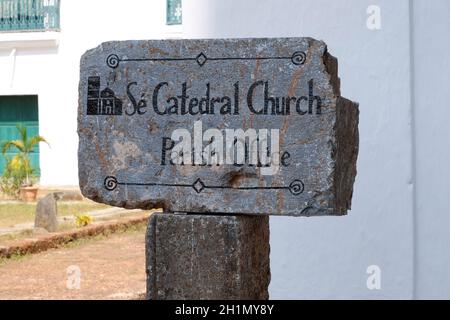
(29, 15)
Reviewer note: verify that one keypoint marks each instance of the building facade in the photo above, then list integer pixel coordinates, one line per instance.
(393, 243)
(41, 42)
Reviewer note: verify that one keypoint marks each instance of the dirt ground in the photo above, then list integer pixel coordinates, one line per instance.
(108, 268)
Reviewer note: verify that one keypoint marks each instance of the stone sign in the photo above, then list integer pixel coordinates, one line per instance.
(233, 126)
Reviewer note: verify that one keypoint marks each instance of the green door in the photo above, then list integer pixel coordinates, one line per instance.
(16, 110)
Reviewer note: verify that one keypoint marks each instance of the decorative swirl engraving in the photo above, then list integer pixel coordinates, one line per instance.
(298, 58)
(113, 61)
(110, 183)
(296, 187)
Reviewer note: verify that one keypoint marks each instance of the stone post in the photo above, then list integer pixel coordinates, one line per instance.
(207, 257)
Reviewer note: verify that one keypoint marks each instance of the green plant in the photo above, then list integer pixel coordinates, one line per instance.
(13, 177)
(18, 171)
(82, 220)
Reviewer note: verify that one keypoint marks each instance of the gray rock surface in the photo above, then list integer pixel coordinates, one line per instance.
(47, 212)
(126, 132)
(207, 257)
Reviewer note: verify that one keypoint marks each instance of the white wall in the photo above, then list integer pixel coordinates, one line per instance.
(399, 219)
(53, 72)
(84, 25)
(432, 152)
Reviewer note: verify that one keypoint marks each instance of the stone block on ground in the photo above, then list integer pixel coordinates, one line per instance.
(47, 212)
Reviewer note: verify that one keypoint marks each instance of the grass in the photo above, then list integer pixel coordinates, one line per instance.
(132, 230)
(29, 233)
(17, 213)
(62, 226)
(14, 257)
(16, 235)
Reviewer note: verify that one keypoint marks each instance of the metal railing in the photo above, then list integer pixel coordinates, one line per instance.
(29, 15)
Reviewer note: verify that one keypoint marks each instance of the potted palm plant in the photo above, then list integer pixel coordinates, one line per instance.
(19, 167)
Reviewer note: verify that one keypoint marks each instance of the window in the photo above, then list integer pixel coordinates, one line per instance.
(19, 110)
(174, 12)
(29, 15)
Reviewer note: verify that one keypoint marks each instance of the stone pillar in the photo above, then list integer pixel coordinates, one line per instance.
(207, 257)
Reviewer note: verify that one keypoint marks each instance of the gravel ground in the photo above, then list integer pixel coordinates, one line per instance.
(109, 268)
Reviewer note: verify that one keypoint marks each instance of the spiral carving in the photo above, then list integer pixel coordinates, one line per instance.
(113, 61)
(298, 58)
(110, 183)
(296, 187)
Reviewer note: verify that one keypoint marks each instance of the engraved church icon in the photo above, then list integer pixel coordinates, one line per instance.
(102, 102)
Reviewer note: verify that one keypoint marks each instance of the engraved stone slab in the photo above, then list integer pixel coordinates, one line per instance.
(207, 257)
(251, 126)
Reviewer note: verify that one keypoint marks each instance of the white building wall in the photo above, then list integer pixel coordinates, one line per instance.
(399, 219)
(431, 85)
(52, 71)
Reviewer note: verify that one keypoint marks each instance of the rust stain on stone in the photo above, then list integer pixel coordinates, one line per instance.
(101, 156)
(154, 50)
(294, 82)
(257, 67)
(291, 92)
(280, 202)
